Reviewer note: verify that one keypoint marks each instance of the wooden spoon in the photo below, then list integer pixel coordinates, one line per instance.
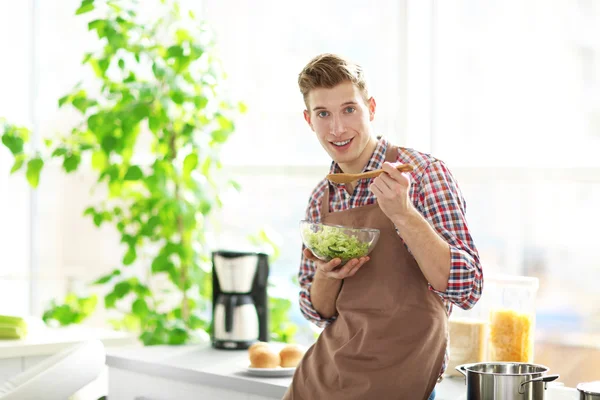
(348, 178)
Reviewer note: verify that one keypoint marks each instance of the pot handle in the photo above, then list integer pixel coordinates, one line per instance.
(462, 369)
(545, 379)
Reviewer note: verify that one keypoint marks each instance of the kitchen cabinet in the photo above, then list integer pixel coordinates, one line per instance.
(18, 355)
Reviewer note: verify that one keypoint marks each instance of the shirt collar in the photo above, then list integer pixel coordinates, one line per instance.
(375, 162)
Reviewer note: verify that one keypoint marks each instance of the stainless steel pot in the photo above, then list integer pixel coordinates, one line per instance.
(505, 381)
(589, 390)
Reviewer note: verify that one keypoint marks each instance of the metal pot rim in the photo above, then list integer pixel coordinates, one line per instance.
(589, 387)
(466, 368)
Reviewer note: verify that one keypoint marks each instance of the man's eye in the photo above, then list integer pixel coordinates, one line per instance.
(322, 114)
(350, 110)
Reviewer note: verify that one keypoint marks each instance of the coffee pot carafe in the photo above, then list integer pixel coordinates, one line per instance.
(240, 308)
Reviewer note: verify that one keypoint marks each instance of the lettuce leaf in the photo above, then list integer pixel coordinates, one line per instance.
(330, 242)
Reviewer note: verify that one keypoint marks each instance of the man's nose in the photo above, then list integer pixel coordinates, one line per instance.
(336, 127)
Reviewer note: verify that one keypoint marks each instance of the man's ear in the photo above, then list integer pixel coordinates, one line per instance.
(307, 119)
(372, 107)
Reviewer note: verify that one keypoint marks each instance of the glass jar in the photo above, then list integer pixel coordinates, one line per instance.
(511, 304)
(468, 335)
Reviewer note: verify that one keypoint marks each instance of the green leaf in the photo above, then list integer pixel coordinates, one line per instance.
(63, 100)
(109, 143)
(34, 167)
(190, 163)
(242, 107)
(178, 336)
(133, 173)
(107, 278)
(98, 219)
(235, 185)
(200, 102)
(99, 66)
(14, 143)
(177, 96)
(110, 300)
(205, 207)
(122, 288)
(161, 264)
(175, 51)
(19, 160)
(61, 151)
(89, 211)
(220, 136)
(71, 162)
(158, 71)
(86, 6)
(225, 123)
(99, 25)
(149, 227)
(130, 256)
(121, 63)
(182, 35)
(99, 160)
(82, 103)
(74, 310)
(140, 308)
(86, 58)
(87, 304)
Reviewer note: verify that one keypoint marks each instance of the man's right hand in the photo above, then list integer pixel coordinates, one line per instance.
(332, 269)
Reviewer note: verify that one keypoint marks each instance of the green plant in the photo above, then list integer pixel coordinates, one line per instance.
(281, 328)
(73, 311)
(160, 82)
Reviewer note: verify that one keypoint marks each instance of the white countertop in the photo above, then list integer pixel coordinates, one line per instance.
(204, 365)
(45, 341)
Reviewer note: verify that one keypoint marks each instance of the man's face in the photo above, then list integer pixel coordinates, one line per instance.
(342, 121)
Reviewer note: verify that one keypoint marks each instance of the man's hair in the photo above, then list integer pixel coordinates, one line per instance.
(329, 70)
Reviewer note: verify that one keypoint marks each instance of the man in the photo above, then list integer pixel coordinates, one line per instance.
(385, 315)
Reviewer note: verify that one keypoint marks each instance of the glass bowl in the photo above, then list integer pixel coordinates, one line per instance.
(334, 241)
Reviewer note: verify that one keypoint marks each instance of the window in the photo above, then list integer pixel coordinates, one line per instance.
(263, 65)
(15, 97)
(515, 111)
(515, 107)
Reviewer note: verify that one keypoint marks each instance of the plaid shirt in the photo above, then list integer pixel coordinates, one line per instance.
(436, 195)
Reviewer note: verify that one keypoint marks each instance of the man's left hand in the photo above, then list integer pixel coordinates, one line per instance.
(392, 191)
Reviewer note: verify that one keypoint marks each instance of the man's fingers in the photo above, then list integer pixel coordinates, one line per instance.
(387, 180)
(331, 265)
(308, 254)
(349, 269)
(375, 189)
(390, 169)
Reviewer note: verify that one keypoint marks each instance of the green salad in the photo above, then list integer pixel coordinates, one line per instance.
(331, 242)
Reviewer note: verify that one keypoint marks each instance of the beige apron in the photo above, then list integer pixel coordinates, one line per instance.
(389, 339)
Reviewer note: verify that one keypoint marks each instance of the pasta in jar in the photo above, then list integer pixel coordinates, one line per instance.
(511, 336)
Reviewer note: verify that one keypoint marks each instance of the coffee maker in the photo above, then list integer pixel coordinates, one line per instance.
(240, 308)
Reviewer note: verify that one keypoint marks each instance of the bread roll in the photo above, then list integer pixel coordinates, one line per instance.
(264, 357)
(290, 356)
(257, 345)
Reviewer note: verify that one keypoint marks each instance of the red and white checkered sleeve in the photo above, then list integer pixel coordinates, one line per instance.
(306, 275)
(442, 204)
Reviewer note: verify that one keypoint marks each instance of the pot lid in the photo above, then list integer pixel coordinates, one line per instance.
(589, 387)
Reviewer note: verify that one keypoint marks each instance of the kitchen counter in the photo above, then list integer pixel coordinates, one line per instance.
(43, 341)
(200, 371)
